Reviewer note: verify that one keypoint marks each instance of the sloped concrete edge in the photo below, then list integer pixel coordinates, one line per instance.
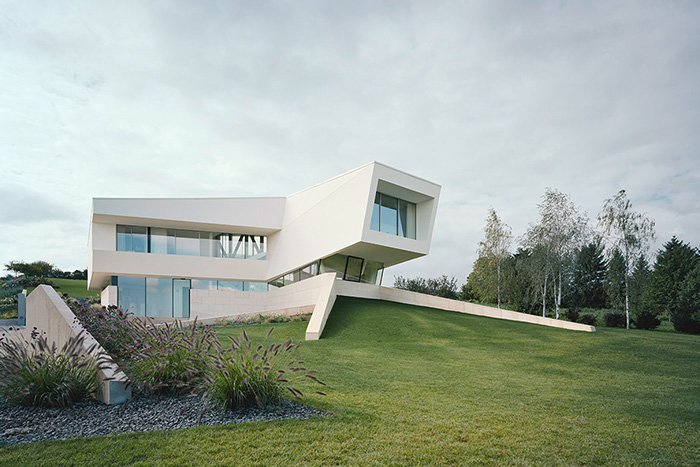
(47, 312)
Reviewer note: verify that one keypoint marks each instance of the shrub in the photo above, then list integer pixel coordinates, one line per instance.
(263, 319)
(170, 358)
(646, 319)
(36, 373)
(615, 319)
(572, 314)
(589, 319)
(110, 326)
(244, 376)
(442, 286)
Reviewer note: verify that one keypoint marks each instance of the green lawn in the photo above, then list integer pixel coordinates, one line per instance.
(414, 386)
(74, 288)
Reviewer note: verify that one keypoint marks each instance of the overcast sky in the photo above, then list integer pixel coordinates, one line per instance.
(495, 101)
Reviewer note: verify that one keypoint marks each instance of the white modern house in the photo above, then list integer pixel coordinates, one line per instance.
(209, 257)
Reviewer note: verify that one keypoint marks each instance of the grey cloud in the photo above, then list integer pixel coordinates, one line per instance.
(493, 100)
(23, 205)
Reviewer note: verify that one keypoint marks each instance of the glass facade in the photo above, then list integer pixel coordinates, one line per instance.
(190, 242)
(353, 269)
(132, 294)
(132, 238)
(159, 293)
(169, 298)
(349, 268)
(393, 216)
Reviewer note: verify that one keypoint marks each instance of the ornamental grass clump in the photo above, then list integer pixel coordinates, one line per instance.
(170, 358)
(109, 325)
(264, 375)
(34, 373)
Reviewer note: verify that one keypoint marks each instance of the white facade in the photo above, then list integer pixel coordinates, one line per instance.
(322, 225)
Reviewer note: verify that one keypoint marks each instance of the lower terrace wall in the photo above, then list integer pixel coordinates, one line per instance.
(209, 306)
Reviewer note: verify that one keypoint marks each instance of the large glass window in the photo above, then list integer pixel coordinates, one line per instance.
(393, 216)
(160, 240)
(345, 267)
(187, 242)
(353, 269)
(190, 242)
(335, 263)
(132, 294)
(407, 219)
(208, 244)
(372, 272)
(123, 238)
(257, 286)
(231, 285)
(374, 223)
(159, 296)
(203, 284)
(132, 238)
(388, 214)
(181, 298)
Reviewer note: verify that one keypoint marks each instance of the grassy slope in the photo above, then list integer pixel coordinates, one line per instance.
(412, 386)
(74, 288)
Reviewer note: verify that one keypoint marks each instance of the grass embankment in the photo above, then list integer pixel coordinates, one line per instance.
(413, 386)
(73, 287)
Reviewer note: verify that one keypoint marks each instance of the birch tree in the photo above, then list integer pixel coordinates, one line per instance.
(627, 230)
(537, 265)
(561, 231)
(496, 245)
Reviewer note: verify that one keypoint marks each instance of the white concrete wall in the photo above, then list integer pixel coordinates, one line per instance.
(126, 263)
(110, 296)
(47, 312)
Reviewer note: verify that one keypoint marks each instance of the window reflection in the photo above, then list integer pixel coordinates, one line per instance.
(132, 294)
(190, 242)
(393, 216)
(159, 295)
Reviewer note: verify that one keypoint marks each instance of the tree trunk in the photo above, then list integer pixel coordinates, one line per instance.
(544, 296)
(627, 291)
(498, 274)
(627, 301)
(558, 297)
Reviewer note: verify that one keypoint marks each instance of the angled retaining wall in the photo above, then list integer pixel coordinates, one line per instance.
(49, 313)
(318, 294)
(354, 289)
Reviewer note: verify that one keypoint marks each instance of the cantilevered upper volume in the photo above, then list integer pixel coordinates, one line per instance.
(152, 252)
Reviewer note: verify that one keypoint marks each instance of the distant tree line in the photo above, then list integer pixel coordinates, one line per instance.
(39, 269)
(561, 262)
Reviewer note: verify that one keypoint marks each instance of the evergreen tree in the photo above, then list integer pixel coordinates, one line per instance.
(615, 281)
(673, 263)
(588, 284)
(643, 316)
(686, 310)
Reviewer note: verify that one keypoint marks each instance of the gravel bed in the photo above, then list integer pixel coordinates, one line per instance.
(30, 424)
